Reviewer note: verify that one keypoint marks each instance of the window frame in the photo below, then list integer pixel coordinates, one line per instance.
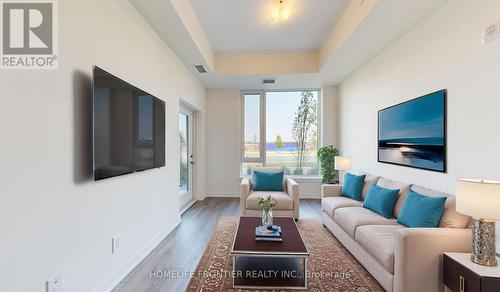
(262, 127)
(262, 131)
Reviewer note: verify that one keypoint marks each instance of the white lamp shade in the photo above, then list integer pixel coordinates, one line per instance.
(342, 163)
(479, 198)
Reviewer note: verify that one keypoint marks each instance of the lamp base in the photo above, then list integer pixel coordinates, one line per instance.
(483, 242)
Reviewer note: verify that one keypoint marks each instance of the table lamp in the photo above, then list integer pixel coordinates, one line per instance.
(480, 199)
(342, 163)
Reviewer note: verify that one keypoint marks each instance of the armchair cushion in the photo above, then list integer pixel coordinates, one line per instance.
(293, 190)
(283, 200)
(244, 192)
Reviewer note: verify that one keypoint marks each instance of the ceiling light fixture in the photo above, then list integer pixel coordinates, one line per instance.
(282, 13)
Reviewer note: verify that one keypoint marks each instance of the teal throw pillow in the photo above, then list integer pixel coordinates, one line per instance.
(268, 181)
(381, 201)
(353, 186)
(421, 211)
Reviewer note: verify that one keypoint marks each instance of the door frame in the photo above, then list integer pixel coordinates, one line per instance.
(186, 198)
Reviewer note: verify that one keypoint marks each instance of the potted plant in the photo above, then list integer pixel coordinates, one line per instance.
(267, 205)
(326, 156)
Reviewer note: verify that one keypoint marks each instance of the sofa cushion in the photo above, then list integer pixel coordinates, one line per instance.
(283, 200)
(381, 201)
(330, 204)
(350, 218)
(353, 186)
(378, 241)
(403, 191)
(421, 211)
(451, 218)
(268, 181)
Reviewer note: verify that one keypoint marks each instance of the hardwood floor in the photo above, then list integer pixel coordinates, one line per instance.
(182, 249)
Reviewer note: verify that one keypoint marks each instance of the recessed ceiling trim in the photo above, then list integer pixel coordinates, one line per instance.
(266, 64)
(353, 41)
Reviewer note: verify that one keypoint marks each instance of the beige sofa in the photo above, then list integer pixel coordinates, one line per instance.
(401, 259)
(287, 202)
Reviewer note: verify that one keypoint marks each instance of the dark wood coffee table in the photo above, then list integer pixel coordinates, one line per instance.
(269, 264)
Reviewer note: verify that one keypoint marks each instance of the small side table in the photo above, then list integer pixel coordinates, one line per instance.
(460, 274)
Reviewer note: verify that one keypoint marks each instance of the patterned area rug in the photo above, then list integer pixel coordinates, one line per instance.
(331, 267)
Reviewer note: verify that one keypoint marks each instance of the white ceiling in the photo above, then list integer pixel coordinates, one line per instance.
(247, 26)
(228, 38)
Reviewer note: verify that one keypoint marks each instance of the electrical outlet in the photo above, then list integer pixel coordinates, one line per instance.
(116, 244)
(491, 32)
(56, 283)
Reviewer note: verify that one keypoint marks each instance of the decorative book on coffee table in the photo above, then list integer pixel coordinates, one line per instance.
(268, 233)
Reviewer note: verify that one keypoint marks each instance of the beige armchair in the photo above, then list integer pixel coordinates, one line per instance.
(287, 202)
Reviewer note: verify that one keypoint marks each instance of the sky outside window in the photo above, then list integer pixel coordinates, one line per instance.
(280, 111)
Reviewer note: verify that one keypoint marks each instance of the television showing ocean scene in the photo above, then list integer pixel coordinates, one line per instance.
(413, 133)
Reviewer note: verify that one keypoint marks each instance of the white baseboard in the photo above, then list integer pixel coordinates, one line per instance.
(188, 205)
(222, 195)
(310, 196)
(119, 274)
(232, 195)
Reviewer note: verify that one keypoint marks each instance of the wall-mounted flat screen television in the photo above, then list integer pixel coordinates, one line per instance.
(128, 127)
(413, 133)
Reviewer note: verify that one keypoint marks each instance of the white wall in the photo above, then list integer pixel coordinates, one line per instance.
(443, 52)
(330, 119)
(52, 217)
(223, 108)
(223, 142)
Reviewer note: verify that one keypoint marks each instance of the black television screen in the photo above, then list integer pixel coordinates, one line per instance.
(413, 133)
(128, 127)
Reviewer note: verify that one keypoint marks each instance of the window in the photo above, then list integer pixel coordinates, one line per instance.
(252, 126)
(289, 122)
